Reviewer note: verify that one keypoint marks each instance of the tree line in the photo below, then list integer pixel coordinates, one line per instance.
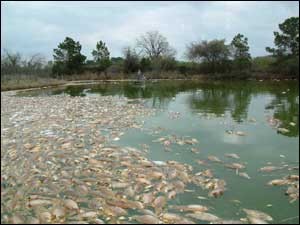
(152, 53)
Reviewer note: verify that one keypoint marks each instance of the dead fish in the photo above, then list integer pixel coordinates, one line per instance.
(180, 142)
(214, 158)
(229, 131)
(66, 145)
(170, 217)
(293, 177)
(172, 194)
(148, 198)
(28, 146)
(252, 120)
(227, 222)
(70, 204)
(33, 220)
(277, 182)
(193, 208)
(88, 215)
(191, 142)
(216, 192)
(147, 219)
(35, 149)
(159, 202)
(245, 175)
(159, 139)
(167, 143)
(58, 212)
(146, 212)
(160, 163)
(235, 166)
(137, 205)
(254, 220)
(232, 155)
(201, 198)
(143, 181)
(268, 168)
(257, 215)
(203, 216)
(201, 162)
(207, 173)
(157, 175)
(39, 202)
(99, 221)
(240, 133)
(119, 185)
(15, 219)
(179, 186)
(283, 130)
(195, 150)
(77, 222)
(45, 217)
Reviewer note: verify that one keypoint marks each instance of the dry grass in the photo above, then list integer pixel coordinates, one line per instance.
(24, 83)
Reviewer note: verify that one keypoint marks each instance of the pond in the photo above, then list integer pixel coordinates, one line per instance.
(252, 123)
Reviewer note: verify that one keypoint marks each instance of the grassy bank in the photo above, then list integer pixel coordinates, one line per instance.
(25, 83)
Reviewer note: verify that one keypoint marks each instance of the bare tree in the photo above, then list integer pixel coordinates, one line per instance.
(154, 45)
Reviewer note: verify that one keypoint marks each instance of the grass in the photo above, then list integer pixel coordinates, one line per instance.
(15, 82)
(29, 82)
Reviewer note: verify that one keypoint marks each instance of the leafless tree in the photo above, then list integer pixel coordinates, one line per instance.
(154, 45)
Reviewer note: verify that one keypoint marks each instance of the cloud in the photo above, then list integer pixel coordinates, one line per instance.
(31, 27)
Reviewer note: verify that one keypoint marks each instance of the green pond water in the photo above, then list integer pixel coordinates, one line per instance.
(205, 112)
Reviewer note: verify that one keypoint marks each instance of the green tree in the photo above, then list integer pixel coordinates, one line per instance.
(101, 56)
(131, 60)
(287, 47)
(287, 42)
(213, 53)
(240, 52)
(145, 64)
(67, 57)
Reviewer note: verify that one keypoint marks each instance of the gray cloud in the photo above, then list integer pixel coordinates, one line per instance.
(31, 27)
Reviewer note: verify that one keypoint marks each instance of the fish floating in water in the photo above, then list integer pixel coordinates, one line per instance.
(214, 159)
(245, 175)
(232, 155)
(257, 216)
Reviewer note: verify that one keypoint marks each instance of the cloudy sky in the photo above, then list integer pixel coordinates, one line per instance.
(38, 27)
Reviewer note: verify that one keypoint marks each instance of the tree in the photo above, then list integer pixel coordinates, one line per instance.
(131, 60)
(212, 53)
(145, 64)
(163, 63)
(101, 56)
(67, 57)
(154, 45)
(10, 62)
(287, 51)
(240, 52)
(287, 41)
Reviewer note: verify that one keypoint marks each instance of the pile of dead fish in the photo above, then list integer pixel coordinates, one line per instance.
(58, 165)
(166, 141)
(291, 180)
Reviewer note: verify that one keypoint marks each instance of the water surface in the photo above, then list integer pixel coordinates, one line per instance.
(207, 111)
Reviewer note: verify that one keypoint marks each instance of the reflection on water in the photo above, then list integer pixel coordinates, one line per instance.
(210, 97)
